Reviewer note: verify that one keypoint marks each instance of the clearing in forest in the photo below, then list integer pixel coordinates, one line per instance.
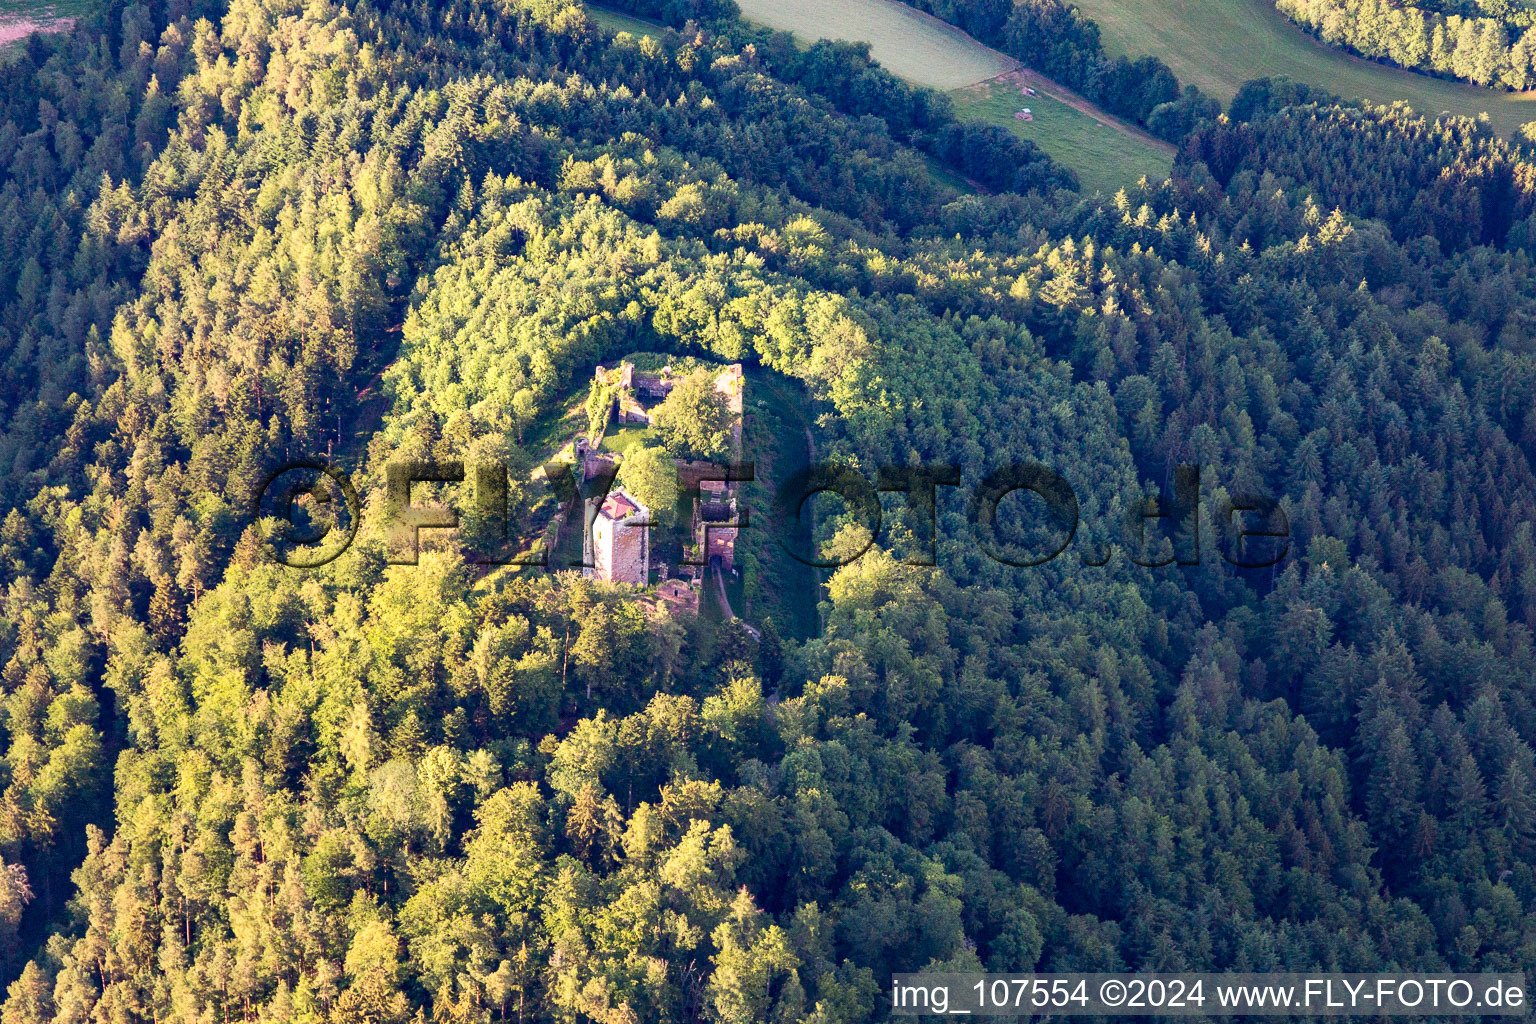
(1104, 152)
(1220, 44)
(617, 21)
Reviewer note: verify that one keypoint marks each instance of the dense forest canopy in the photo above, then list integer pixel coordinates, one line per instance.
(1487, 43)
(241, 233)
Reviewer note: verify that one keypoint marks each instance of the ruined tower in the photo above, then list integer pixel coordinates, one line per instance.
(621, 540)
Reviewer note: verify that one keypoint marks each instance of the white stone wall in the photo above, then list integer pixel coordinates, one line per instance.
(621, 550)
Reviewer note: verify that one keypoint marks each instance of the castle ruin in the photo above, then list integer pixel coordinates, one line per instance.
(620, 540)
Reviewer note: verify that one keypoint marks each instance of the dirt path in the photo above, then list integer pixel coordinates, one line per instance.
(725, 606)
(1024, 78)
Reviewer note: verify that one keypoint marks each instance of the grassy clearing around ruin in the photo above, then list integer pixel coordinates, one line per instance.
(622, 440)
(1220, 44)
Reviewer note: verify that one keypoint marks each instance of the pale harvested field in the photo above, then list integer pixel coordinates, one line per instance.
(906, 42)
(15, 27)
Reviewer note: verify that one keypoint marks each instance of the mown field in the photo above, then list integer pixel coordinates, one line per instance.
(1105, 157)
(918, 48)
(926, 51)
(615, 21)
(1220, 44)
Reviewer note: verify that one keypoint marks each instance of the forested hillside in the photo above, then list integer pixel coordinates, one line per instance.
(447, 791)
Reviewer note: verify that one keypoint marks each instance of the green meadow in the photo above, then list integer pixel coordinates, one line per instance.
(1104, 155)
(1220, 44)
